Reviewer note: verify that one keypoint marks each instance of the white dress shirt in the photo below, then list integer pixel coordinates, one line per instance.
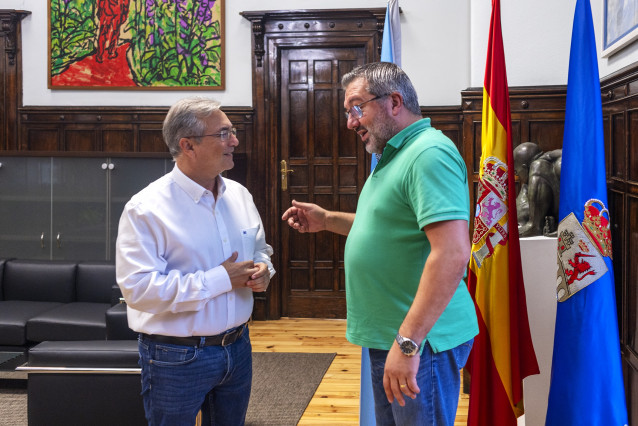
(173, 237)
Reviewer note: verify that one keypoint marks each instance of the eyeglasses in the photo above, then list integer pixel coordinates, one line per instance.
(356, 112)
(223, 135)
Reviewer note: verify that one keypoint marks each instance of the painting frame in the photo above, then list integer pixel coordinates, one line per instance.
(620, 25)
(135, 45)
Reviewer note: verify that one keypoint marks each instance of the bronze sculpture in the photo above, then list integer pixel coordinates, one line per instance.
(537, 200)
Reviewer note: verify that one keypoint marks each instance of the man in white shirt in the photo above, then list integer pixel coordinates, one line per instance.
(191, 250)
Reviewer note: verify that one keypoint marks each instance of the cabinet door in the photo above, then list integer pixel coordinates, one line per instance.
(128, 176)
(79, 208)
(25, 207)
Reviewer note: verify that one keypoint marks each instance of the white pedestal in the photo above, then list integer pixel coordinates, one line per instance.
(538, 256)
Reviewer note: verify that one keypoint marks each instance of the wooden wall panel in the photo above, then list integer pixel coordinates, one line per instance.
(10, 75)
(620, 115)
(119, 130)
(150, 140)
(40, 138)
(118, 140)
(618, 149)
(82, 138)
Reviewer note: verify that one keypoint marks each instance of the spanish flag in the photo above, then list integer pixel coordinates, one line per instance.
(503, 353)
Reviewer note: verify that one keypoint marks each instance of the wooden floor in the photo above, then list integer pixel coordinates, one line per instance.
(336, 401)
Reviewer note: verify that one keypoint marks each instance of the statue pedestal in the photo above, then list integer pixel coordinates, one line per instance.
(538, 257)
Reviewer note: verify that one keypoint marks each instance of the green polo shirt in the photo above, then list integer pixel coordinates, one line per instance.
(420, 179)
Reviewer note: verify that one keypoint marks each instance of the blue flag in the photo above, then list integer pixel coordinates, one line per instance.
(586, 383)
(391, 43)
(390, 47)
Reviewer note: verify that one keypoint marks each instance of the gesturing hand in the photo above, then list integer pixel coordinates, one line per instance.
(305, 217)
(239, 272)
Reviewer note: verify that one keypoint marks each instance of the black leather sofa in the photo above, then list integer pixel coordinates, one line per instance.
(82, 357)
(59, 301)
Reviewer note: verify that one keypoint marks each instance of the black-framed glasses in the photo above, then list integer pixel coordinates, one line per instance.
(356, 112)
(223, 135)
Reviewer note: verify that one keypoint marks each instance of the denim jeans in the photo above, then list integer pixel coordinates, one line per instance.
(438, 378)
(178, 381)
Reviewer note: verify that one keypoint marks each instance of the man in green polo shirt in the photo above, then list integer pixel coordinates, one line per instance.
(406, 253)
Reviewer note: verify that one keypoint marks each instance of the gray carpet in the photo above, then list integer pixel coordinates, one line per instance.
(283, 385)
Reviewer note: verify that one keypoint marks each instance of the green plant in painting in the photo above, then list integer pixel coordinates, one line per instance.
(73, 32)
(176, 43)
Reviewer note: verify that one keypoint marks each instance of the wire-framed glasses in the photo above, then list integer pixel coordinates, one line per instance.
(223, 135)
(356, 112)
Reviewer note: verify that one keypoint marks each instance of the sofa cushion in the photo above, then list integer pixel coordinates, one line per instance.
(94, 282)
(85, 354)
(39, 281)
(71, 321)
(14, 315)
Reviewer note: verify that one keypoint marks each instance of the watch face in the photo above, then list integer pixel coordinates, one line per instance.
(408, 347)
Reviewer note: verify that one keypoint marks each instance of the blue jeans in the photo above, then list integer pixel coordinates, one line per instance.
(438, 378)
(178, 381)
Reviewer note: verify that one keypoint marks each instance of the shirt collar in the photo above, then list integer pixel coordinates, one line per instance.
(192, 188)
(401, 139)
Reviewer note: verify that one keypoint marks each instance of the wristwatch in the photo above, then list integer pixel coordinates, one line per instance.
(408, 346)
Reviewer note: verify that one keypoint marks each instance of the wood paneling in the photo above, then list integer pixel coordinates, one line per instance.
(113, 130)
(620, 114)
(10, 75)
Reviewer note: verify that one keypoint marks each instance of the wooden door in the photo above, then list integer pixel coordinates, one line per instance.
(330, 167)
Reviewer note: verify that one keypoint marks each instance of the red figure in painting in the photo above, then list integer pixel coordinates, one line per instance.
(112, 14)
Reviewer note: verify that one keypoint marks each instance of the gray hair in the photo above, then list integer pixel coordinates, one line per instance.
(385, 78)
(186, 118)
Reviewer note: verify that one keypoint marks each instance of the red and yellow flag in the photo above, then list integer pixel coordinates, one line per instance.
(503, 353)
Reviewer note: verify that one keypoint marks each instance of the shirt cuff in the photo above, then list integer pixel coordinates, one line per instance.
(217, 281)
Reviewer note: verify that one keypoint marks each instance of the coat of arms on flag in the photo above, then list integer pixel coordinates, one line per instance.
(490, 209)
(581, 248)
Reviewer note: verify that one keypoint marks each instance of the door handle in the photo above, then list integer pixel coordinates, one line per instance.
(284, 175)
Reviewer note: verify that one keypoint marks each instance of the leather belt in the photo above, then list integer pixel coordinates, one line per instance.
(224, 339)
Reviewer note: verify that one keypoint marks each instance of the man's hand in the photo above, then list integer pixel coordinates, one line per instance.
(259, 281)
(305, 217)
(399, 376)
(239, 272)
